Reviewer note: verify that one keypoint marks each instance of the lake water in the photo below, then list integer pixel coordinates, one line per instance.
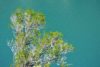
(78, 20)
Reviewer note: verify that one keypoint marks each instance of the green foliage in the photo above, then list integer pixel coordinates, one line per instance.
(31, 46)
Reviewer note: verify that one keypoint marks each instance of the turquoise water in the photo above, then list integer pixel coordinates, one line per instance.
(78, 20)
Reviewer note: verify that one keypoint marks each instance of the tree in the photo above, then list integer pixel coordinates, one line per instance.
(33, 48)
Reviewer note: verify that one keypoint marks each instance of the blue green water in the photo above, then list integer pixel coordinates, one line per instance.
(78, 20)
